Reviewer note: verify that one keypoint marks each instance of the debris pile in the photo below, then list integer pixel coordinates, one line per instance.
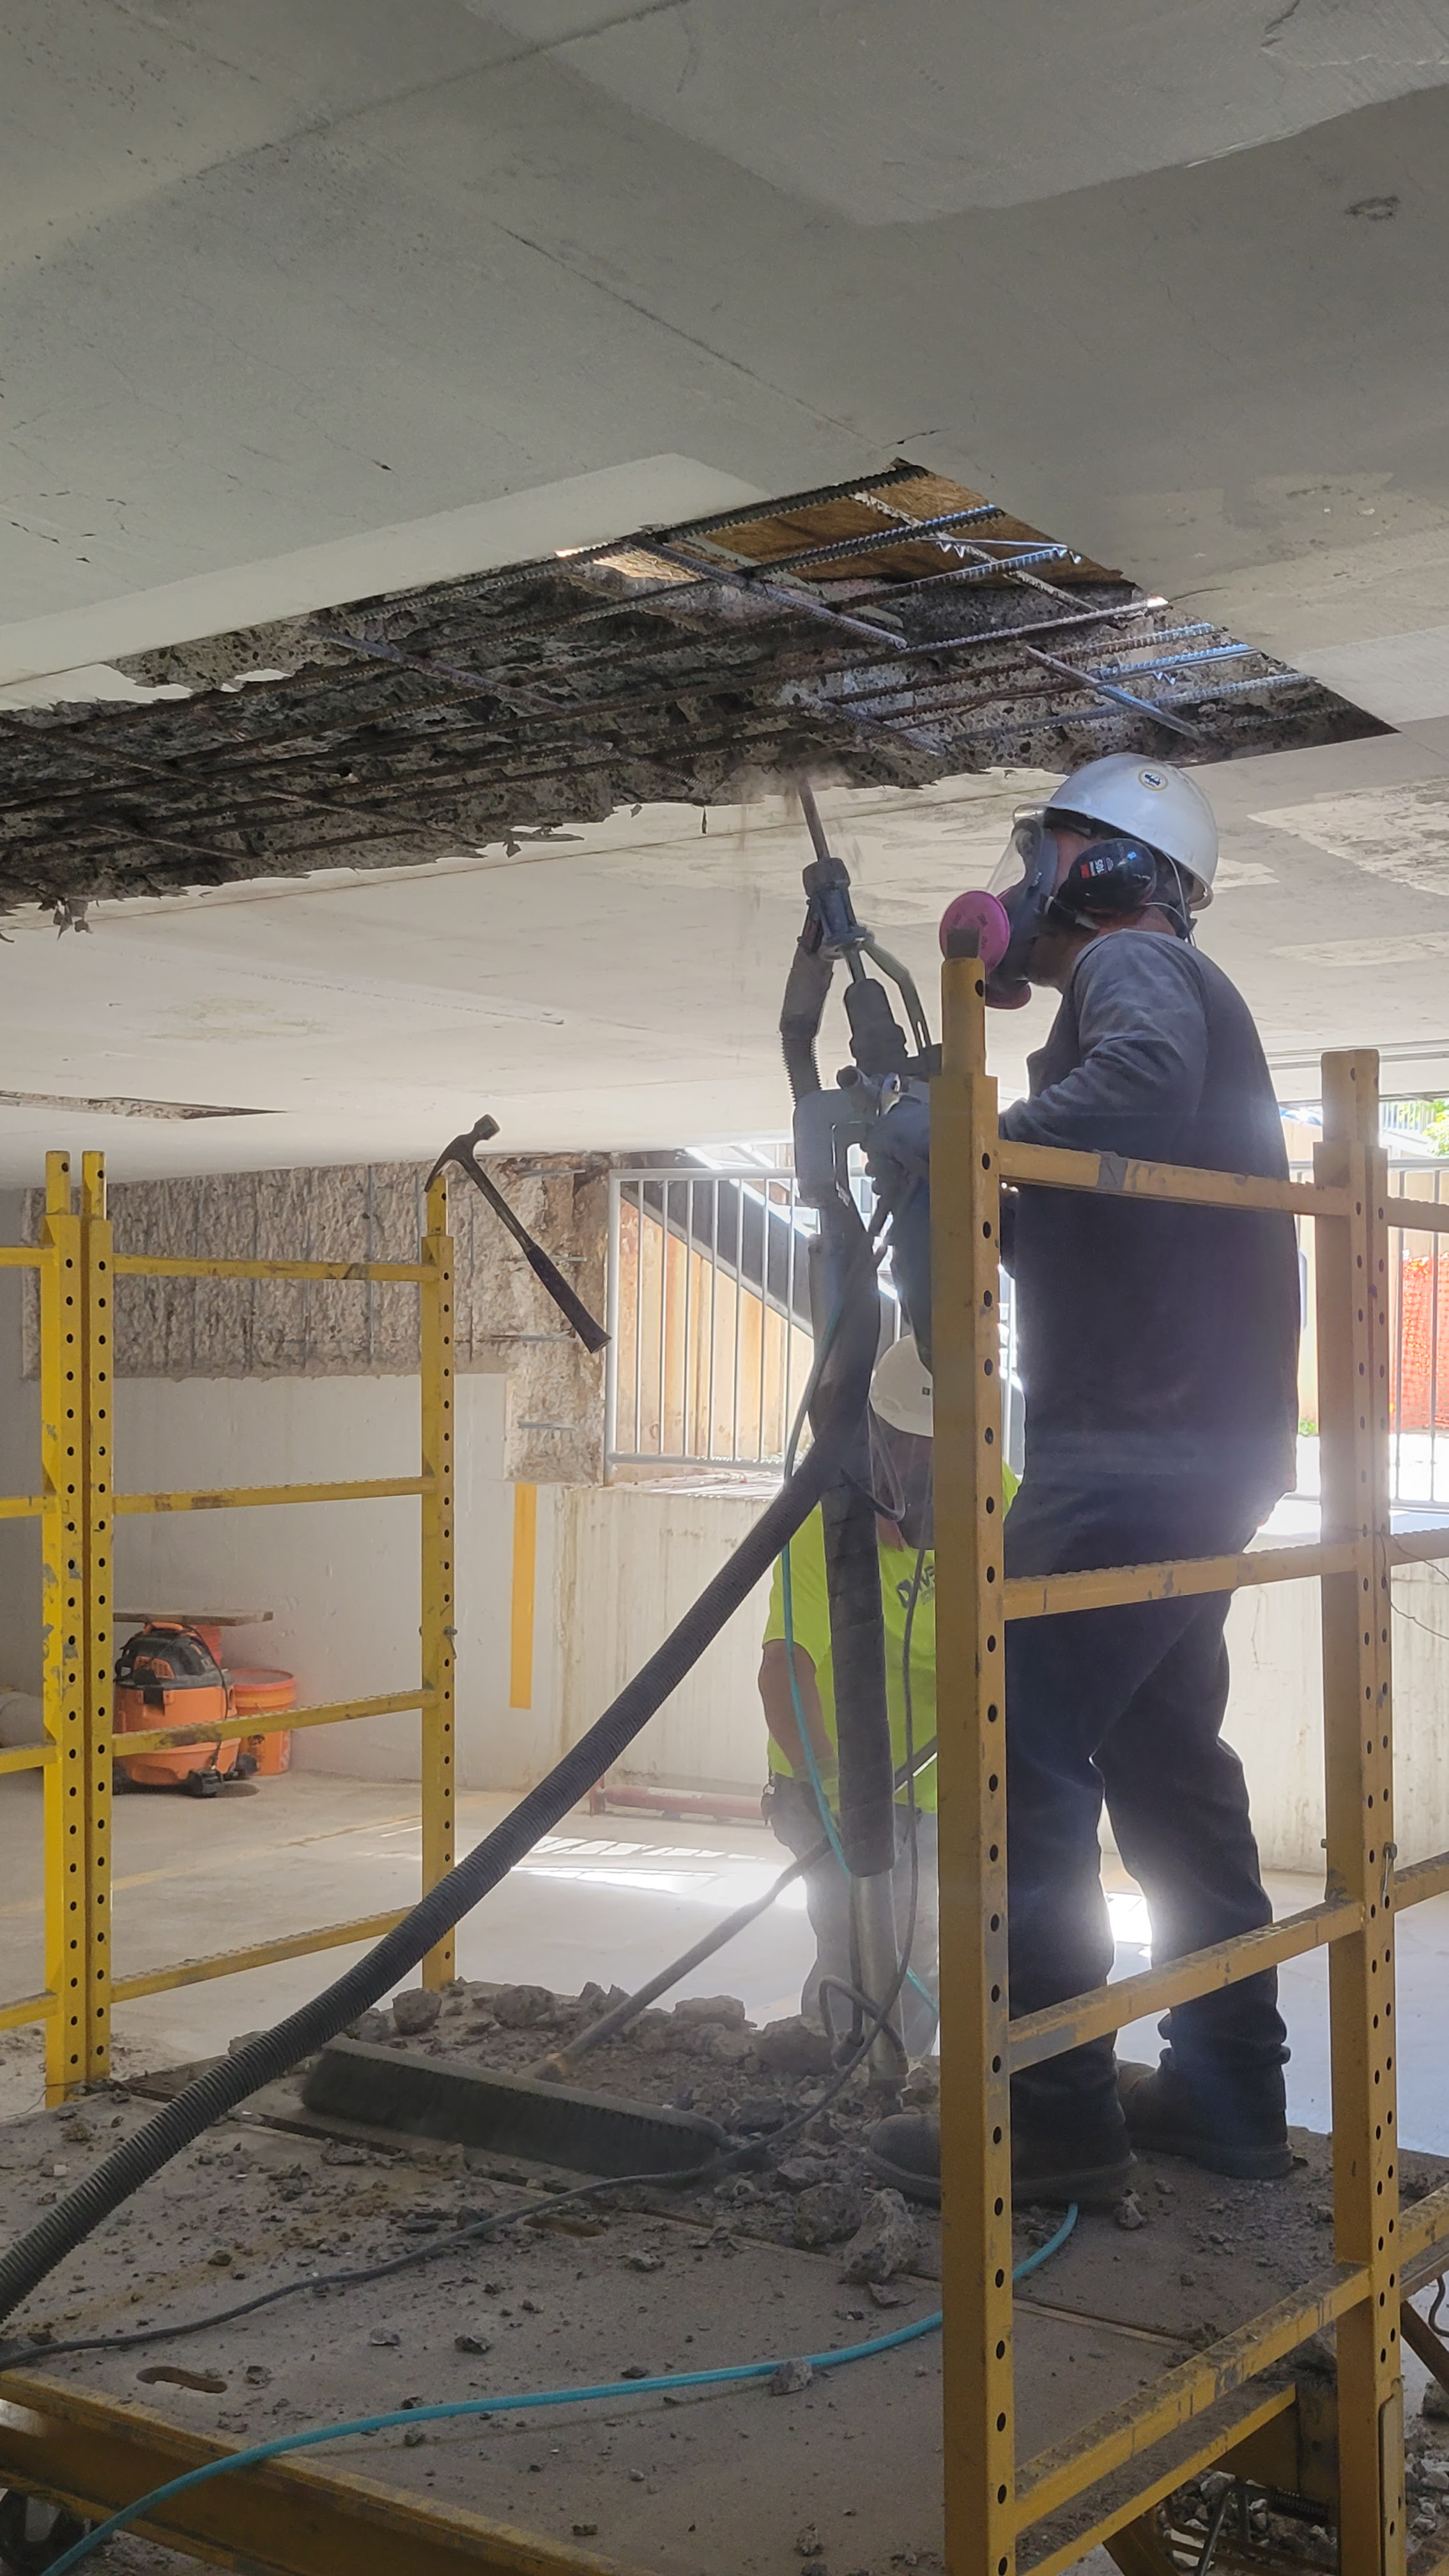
(704, 2056)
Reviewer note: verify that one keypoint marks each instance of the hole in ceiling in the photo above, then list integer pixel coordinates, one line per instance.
(894, 630)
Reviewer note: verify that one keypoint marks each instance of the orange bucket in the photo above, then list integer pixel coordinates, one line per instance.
(258, 1690)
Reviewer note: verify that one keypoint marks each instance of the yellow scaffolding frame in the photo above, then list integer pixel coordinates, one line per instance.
(994, 2505)
(77, 1507)
(992, 2502)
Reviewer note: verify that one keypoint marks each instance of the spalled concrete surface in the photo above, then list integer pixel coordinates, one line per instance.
(482, 714)
(503, 1321)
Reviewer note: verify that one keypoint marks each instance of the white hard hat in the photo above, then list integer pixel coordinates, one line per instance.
(900, 1390)
(1152, 801)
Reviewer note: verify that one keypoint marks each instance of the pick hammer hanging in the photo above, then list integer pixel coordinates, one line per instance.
(463, 1152)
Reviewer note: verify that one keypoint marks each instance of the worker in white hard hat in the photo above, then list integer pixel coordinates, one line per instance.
(1123, 840)
(800, 1808)
(1157, 1350)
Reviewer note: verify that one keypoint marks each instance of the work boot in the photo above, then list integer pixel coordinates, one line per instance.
(1090, 2164)
(906, 2152)
(1234, 2125)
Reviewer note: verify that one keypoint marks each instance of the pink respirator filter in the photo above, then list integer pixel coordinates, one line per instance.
(981, 912)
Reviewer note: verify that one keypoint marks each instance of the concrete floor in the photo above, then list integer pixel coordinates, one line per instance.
(603, 1897)
(671, 2488)
(608, 1897)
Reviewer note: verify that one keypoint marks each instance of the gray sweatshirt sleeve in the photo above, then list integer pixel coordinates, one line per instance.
(1143, 1034)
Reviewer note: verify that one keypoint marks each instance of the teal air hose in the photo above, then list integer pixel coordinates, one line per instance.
(414, 2415)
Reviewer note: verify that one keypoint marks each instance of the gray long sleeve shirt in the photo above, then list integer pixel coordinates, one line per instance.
(1154, 1339)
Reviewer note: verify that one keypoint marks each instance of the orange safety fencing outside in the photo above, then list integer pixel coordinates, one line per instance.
(1420, 1394)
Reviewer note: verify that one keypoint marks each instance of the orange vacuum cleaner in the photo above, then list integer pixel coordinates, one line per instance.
(167, 1675)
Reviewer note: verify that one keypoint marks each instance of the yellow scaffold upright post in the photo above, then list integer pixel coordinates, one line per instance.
(98, 1269)
(978, 2425)
(438, 1618)
(1353, 1364)
(63, 1684)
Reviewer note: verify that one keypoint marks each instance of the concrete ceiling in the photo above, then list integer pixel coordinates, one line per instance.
(301, 305)
(1166, 279)
(621, 989)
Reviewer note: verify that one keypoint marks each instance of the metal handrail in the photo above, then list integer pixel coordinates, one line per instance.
(1056, 2476)
(1037, 2036)
(1110, 1587)
(26, 1757)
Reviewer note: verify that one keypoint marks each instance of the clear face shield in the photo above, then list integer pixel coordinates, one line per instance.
(1019, 861)
(1010, 914)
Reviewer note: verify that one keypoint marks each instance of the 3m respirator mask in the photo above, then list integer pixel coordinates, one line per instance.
(1028, 897)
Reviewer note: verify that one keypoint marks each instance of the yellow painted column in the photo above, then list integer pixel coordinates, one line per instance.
(438, 1622)
(978, 2458)
(524, 1590)
(1353, 1365)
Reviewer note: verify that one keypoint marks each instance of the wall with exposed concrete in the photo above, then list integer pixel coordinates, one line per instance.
(504, 1322)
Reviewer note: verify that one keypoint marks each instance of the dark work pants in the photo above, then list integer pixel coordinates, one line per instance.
(1127, 1705)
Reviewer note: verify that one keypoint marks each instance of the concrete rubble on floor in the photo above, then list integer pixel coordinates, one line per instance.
(637, 2282)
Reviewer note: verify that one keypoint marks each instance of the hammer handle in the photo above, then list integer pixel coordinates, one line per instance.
(590, 1333)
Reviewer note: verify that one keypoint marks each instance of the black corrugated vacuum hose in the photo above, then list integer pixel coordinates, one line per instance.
(844, 1385)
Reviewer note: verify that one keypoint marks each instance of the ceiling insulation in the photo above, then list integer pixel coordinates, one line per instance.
(893, 631)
